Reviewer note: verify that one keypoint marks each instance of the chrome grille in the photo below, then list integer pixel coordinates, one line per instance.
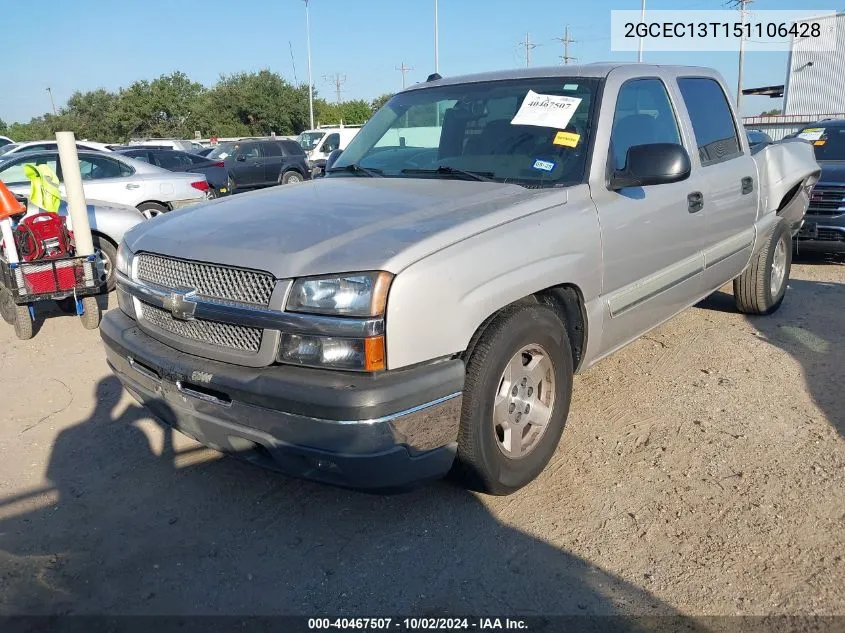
(225, 335)
(211, 281)
(827, 200)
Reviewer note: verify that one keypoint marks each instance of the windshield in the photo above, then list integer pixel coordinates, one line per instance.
(828, 142)
(222, 151)
(534, 132)
(309, 140)
(8, 148)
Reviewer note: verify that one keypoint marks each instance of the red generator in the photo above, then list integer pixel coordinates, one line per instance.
(44, 236)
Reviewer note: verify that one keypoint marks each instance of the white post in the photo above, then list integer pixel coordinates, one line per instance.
(310, 80)
(642, 19)
(741, 60)
(77, 208)
(436, 40)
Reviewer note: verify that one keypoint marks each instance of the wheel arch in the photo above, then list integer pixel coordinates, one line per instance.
(159, 202)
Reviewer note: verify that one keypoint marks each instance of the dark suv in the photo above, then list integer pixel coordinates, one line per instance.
(824, 227)
(262, 163)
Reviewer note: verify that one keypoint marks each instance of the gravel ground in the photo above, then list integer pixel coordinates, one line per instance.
(702, 471)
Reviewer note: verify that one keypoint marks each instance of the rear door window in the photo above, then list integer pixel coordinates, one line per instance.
(271, 149)
(712, 121)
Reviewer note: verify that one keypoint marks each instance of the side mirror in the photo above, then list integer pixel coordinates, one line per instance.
(240, 158)
(332, 159)
(652, 164)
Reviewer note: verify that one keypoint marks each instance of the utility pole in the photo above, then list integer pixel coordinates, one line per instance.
(528, 48)
(566, 41)
(404, 70)
(436, 40)
(52, 103)
(338, 80)
(741, 4)
(642, 19)
(310, 80)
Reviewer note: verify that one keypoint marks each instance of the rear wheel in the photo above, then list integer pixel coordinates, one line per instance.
(760, 289)
(7, 306)
(90, 316)
(516, 399)
(23, 323)
(291, 177)
(152, 209)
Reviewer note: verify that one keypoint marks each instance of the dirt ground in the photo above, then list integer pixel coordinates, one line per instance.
(702, 471)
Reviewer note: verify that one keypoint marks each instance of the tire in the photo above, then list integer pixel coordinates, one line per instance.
(91, 313)
(760, 289)
(7, 306)
(23, 323)
(152, 209)
(106, 254)
(483, 462)
(291, 177)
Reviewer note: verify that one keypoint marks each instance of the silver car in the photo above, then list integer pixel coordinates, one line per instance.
(113, 178)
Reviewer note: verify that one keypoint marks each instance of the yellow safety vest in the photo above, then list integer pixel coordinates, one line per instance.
(44, 192)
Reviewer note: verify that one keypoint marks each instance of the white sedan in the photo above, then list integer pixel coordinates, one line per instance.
(113, 178)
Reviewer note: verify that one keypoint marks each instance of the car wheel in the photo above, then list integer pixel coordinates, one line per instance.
(760, 289)
(106, 255)
(516, 400)
(291, 177)
(152, 209)
(24, 329)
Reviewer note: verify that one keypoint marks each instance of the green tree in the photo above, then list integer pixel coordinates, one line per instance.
(92, 114)
(773, 112)
(379, 101)
(3, 126)
(163, 107)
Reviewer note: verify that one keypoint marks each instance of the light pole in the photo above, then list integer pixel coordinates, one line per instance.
(436, 41)
(642, 19)
(310, 81)
(52, 103)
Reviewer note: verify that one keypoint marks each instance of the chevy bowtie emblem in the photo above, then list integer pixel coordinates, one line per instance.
(180, 304)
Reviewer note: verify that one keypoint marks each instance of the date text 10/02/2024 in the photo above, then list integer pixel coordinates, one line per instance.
(417, 624)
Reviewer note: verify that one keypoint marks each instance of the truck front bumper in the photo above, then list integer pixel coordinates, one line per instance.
(822, 233)
(384, 431)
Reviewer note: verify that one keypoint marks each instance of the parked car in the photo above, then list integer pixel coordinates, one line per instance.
(114, 178)
(172, 143)
(215, 172)
(8, 148)
(424, 306)
(757, 138)
(261, 163)
(205, 151)
(109, 223)
(319, 143)
(32, 146)
(5, 140)
(824, 229)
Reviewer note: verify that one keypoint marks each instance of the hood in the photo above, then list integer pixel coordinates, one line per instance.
(337, 224)
(833, 172)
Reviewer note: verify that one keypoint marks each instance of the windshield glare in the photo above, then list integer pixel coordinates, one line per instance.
(828, 142)
(309, 140)
(222, 151)
(469, 127)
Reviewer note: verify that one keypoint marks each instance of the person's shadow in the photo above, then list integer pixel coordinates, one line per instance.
(181, 532)
(810, 327)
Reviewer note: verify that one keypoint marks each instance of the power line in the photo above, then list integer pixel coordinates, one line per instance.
(404, 70)
(529, 46)
(566, 41)
(338, 80)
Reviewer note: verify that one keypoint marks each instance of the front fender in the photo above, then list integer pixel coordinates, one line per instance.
(437, 304)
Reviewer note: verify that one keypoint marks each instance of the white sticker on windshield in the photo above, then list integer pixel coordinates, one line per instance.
(222, 155)
(812, 134)
(546, 110)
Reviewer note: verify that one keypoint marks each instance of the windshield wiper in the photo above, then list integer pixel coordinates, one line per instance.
(482, 176)
(352, 168)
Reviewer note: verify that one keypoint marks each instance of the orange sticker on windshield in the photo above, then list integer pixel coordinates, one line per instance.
(567, 139)
(819, 142)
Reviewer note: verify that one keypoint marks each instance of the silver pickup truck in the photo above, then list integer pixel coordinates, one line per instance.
(422, 309)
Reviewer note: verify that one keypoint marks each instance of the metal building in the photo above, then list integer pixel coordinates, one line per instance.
(815, 81)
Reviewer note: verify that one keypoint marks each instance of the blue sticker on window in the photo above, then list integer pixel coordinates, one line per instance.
(544, 165)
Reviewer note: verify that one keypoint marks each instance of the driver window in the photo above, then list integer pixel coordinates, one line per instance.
(643, 115)
(250, 150)
(331, 143)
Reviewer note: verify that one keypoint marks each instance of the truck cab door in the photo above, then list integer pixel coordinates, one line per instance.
(652, 236)
(730, 209)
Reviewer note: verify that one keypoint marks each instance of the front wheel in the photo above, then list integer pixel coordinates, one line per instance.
(90, 316)
(152, 209)
(291, 177)
(516, 400)
(760, 289)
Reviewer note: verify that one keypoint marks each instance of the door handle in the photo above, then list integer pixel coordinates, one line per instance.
(695, 201)
(131, 186)
(747, 185)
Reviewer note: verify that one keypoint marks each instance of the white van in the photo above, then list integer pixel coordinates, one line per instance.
(319, 143)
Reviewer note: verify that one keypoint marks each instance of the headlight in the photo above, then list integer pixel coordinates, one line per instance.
(359, 354)
(124, 259)
(355, 295)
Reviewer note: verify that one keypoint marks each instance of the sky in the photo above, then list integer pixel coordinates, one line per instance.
(110, 44)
